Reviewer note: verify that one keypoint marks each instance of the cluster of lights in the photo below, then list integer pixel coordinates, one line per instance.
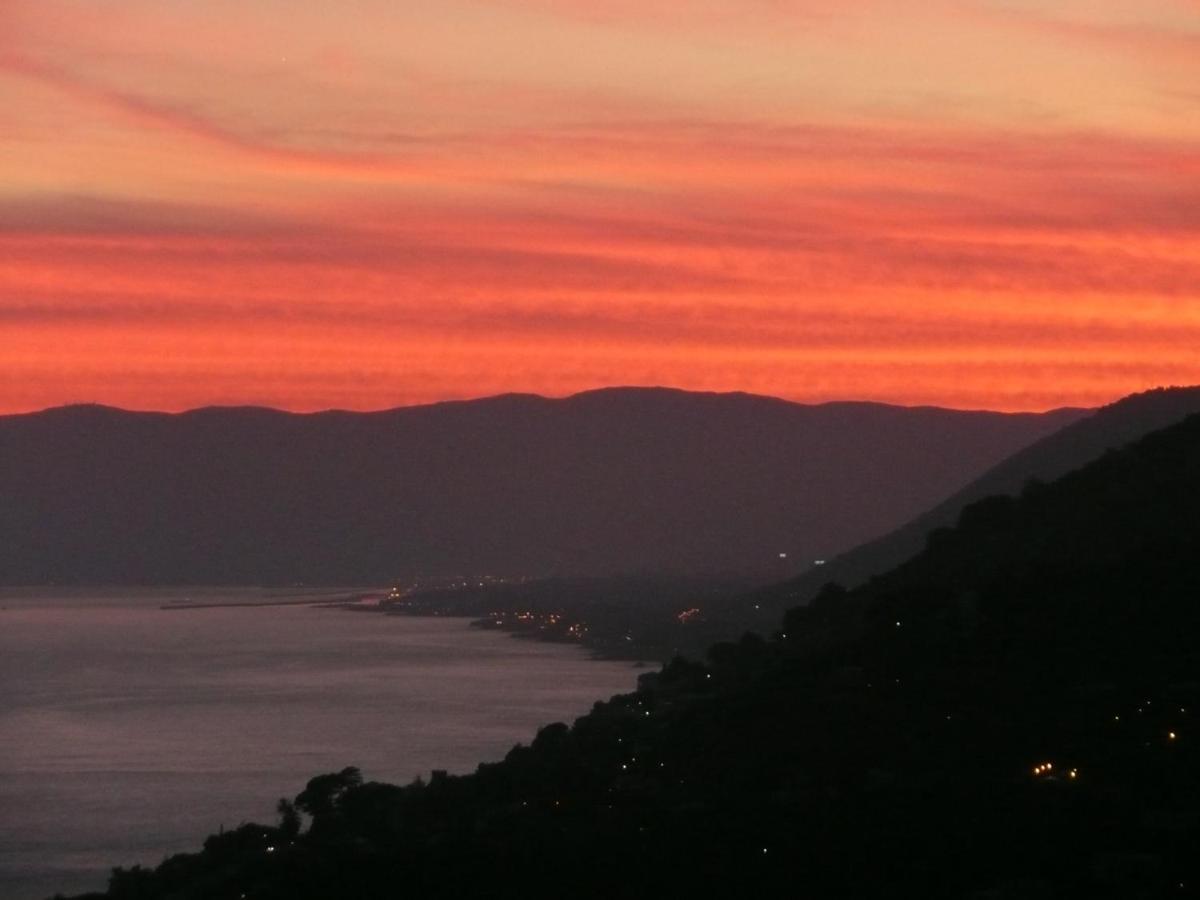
(576, 631)
(687, 615)
(1047, 768)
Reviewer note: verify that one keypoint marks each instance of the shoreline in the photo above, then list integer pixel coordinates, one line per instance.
(629, 654)
(354, 600)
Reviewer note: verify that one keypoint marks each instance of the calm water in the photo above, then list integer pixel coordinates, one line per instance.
(128, 732)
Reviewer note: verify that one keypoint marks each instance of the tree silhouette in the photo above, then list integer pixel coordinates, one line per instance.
(321, 795)
(289, 818)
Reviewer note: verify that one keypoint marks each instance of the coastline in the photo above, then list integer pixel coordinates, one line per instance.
(356, 600)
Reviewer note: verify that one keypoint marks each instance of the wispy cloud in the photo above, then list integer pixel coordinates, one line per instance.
(192, 124)
(1142, 38)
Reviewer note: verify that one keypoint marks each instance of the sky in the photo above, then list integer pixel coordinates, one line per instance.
(372, 203)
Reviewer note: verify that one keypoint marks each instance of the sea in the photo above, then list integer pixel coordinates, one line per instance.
(135, 723)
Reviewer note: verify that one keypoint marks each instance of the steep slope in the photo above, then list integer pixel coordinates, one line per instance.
(609, 481)
(1076, 444)
(1010, 714)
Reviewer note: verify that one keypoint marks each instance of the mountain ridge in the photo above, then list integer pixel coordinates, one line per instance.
(612, 390)
(1053, 456)
(618, 480)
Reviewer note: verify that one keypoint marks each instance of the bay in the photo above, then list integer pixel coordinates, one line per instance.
(129, 731)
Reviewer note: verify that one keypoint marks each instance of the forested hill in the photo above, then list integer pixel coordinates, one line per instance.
(1010, 714)
(611, 481)
(1075, 445)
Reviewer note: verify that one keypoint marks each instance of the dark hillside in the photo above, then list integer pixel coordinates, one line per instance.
(1075, 445)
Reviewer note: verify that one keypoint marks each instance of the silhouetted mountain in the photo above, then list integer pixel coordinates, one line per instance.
(1078, 443)
(619, 480)
(1010, 714)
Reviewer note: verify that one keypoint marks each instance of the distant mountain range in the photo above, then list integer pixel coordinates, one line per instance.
(610, 481)
(1108, 428)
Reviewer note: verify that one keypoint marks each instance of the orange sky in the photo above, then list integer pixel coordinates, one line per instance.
(972, 203)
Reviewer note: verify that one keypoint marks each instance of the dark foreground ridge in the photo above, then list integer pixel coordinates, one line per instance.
(607, 482)
(1077, 444)
(1010, 714)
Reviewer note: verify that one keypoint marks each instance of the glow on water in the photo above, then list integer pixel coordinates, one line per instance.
(128, 731)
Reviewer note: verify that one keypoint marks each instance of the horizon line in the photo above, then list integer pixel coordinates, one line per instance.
(557, 398)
